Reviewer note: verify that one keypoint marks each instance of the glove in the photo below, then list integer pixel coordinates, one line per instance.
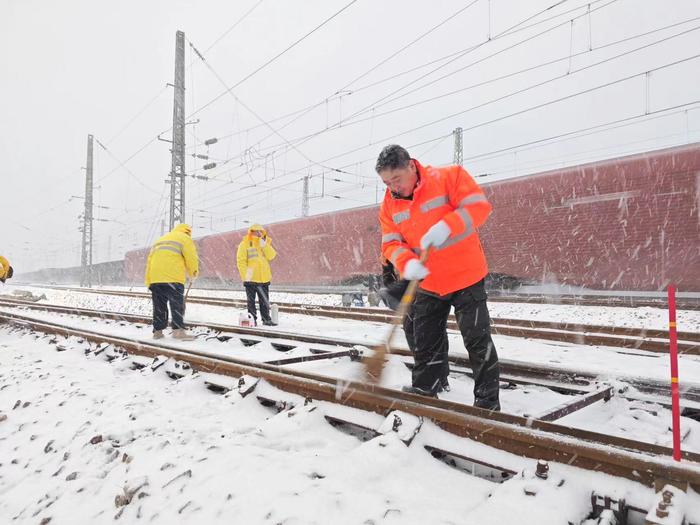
(436, 235)
(415, 271)
(263, 242)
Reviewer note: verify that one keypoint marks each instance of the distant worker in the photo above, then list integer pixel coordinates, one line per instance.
(6, 271)
(391, 293)
(440, 208)
(172, 259)
(254, 255)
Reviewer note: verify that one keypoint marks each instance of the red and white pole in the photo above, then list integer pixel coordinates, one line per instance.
(675, 394)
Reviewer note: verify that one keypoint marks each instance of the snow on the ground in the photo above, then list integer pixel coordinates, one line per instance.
(89, 442)
(197, 457)
(622, 316)
(645, 421)
(635, 420)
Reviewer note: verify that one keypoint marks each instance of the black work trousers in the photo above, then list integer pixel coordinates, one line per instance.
(395, 288)
(262, 290)
(162, 294)
(430, 314)
(408, 328)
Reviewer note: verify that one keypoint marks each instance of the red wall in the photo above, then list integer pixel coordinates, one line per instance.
(322, 249)
(630, 223)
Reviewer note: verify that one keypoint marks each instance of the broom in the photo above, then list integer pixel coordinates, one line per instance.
(184, 301)
(374, 364)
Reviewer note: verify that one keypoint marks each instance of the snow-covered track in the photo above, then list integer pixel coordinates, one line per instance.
(638, 461)
(611, 299)
(651, 340)
(561, 379)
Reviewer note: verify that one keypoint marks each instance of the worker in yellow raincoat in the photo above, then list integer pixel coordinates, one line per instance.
(172, 259)
(6, 270)
(254, 255)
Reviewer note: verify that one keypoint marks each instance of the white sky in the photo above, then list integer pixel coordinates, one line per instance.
(74, 67)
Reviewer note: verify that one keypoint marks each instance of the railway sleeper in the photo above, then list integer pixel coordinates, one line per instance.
(449, 426)
(97, 349)
(113, 353)
(282, 347)
(176, 369)
(537, 482)
(668, 506)
(151, 363)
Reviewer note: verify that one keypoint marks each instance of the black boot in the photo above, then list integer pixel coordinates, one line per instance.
(419, 391)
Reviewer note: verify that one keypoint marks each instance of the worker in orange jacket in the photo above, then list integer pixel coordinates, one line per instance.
(440, 209)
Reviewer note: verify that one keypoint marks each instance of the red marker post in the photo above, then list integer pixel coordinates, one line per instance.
(675, 394)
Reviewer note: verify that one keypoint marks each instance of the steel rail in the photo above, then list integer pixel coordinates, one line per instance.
(557, 378)
(495, 295)
(521, 436)
(652, 340)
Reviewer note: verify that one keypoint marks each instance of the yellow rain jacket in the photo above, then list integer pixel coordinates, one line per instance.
(4, 269)
(254, 260)
(173, 257)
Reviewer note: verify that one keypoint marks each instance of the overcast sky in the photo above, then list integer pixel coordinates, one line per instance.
(377, 72)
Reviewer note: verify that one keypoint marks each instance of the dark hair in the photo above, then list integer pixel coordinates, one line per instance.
(10, 272)
(392, 157)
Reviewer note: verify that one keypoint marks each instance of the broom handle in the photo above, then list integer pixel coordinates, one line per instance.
(405, 304)
(184, 301)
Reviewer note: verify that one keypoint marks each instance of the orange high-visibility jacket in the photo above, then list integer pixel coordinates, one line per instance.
(448, 194)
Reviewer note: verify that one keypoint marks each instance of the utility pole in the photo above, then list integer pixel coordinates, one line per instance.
(305, 198)
(86, 258)
(457, 133)
(177, 170)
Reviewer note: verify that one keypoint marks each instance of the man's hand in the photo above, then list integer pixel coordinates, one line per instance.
(263, 242)
(415, 270)
(435, 236)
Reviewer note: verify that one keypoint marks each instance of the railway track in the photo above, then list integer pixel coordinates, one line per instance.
(538, 439)
(621, 301)
(560, 379)
(652, 340)
(683, 303)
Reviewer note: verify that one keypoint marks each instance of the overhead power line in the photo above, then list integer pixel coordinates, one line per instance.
(543, 64)
(305, 138)
(251, 111)
(512, 29)
(516, 113)
(271, 60)
(123, 165)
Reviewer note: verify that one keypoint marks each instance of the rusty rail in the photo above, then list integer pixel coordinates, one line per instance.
(498, 296)
(652, 340)
(515, 371)
(522, 436)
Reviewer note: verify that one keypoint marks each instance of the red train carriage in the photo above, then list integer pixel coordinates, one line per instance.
(630, 223)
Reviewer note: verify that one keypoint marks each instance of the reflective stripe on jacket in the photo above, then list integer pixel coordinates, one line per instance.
(173, 257)
(448, 194)
(252, 259)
